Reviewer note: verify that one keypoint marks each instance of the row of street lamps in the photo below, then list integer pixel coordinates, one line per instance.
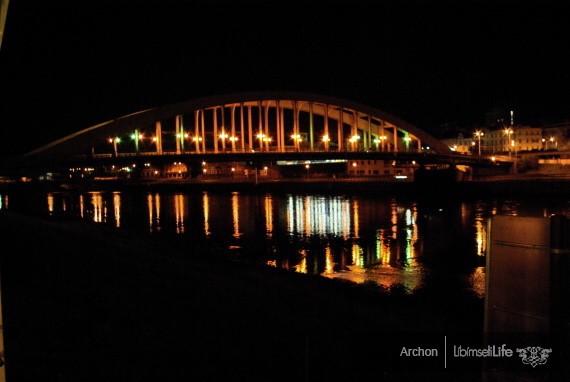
(263, 139)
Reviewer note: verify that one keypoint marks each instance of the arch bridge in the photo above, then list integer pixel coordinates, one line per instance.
(253, 126)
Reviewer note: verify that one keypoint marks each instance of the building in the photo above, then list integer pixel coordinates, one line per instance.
(380, 168)
(511, 139)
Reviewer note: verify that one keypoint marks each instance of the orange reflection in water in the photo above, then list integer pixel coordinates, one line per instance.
(480, 236)
(394, 210)
(329, 260)
(153, 204)
(116, 208)
(99, 207)
(180, 211)
(356, 218)
(302, 266)
(382, 247)
(268, 204)
(50, 203)
(357, 255)
(81, 206)
(307, 216)
(206, 206)
(235, 214)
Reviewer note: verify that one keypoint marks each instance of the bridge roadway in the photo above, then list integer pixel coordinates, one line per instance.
(421, 158)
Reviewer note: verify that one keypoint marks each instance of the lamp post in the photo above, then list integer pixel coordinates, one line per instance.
(114, 141)
(136, 137)
(197, 141)
(552, 140)
(508, 133)
(260, 136)
(383, 139)
(326, 141)
(407, 140)
(296, 141)
(223, 137)
(267, 141)
(354, 142)
(233, 141)
(479, 134)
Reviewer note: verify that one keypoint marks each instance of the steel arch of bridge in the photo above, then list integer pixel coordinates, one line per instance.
(252, 122)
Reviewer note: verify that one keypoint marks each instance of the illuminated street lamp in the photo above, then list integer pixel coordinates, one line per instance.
(233, 140)
(326, 141)
(380, 139)
(223, 137)
(197, 141)
(114, 141)
(508, 133)
(136, 137)
(554, 141)
(260, 136)
(407, 140)
(479, 134)
(296, 140)
(354, 141)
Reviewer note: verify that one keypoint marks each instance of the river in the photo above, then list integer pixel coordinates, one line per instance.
(405, 243)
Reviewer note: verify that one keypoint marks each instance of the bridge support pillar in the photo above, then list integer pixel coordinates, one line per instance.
(158, 136)
(278, 127)
(249, 128)
(242, 127)
(215, 111)
(196, 137)
(311, 127)
(137, 141)
(203, 125)
(395, 139)
(340, 129)
(177, 133)
(327, 137)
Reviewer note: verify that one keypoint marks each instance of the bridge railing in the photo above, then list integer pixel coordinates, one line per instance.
(255, 150)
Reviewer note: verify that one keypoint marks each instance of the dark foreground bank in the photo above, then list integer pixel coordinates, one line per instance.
(86, 302)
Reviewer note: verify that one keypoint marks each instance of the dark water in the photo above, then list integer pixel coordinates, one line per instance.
(392, 241)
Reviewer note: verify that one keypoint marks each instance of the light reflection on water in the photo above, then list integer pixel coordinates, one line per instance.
(389, 241)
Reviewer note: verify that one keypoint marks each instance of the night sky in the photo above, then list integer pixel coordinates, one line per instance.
(65, 66)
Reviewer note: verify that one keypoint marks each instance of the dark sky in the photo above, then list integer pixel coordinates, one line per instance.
(65, 66)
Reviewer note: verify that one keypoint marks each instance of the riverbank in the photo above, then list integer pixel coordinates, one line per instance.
(87, 302)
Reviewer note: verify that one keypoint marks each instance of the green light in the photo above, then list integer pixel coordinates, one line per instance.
(133, 136)
(118, 140)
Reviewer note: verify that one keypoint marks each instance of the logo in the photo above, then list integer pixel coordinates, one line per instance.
(534, 355)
